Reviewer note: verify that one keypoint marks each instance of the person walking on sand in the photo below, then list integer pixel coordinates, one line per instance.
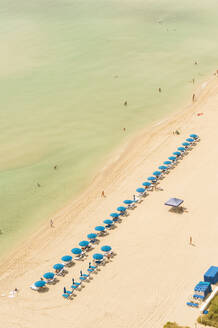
(125, 103)
(102, 193)
(159, 90)
(190, 240)
(51, 223)
(193, 97)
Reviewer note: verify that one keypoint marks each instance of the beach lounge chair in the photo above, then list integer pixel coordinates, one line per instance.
(67, 295)
(51, 281)
(60, 272)
(192, 304)
(33, 287)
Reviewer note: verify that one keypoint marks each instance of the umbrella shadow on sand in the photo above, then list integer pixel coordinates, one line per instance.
(178, 210)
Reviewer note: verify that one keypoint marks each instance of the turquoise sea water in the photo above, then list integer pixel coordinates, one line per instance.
(66, 68)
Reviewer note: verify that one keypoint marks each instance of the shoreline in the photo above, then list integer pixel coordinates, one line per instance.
(101, 177)
(161, 240)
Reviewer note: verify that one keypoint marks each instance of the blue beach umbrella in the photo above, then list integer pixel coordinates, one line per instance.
(66, 258)
(128, 201)
(177, 153)
(40, 283)
(97, 256)
(58, 266)
(163, 167)
(146, 184)
(121, 208)
(91, 236)
(140, 189)
(106, 248)
(167, 162)
(157, 173)
(114, 215)
(186, 144)
(48, 275)
(172, 158)
(76, 251)
(190, 139)
(109, 222)
(151, 178)
(99, 228)
(181, 148)
(195, 136)
(84, 243)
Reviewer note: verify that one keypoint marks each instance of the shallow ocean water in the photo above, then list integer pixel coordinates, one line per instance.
(66, 69)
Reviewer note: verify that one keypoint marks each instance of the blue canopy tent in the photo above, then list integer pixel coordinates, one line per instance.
(48, 275)
(174, 202)
(211, 275)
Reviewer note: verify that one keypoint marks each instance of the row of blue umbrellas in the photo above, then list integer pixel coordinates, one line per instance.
(121, 209)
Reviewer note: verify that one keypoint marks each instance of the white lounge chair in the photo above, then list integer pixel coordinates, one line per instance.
(33, 287)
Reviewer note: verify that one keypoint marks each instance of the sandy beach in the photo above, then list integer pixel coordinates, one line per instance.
(155, 269)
